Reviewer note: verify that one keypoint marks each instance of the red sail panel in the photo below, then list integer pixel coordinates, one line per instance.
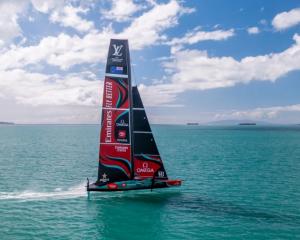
(115, 93)
(116, 160)
(148, 166)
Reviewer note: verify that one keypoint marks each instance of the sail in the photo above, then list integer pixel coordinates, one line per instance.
(147, 161)
(115, 154)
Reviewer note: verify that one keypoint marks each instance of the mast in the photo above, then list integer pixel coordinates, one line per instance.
(130, 110)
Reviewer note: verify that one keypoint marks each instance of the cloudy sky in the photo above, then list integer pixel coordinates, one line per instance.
(200, 60)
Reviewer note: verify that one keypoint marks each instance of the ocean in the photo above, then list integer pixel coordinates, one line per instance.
(240, 182)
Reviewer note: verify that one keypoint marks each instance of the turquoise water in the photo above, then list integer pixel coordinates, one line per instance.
(240, 183)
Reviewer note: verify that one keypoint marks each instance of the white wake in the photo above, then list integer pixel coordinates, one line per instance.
(58, 193)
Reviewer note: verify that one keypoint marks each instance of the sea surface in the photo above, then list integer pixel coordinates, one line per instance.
(240, 182)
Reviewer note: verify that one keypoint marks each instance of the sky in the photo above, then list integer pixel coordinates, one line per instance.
(193, 60)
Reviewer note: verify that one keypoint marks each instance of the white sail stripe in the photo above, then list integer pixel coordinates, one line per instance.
(122, 109)
(116, 75)
(115, 143)
(142, 132)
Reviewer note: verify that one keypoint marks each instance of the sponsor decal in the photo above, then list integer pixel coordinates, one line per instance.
(108, 127)
(122, 123)
(108, 94)
(115, 93)
(117, 50)
(122, 134)
(104, 178)
(121, 127)
(117, 54)
(145, 168)
(122, 139)
(114, 121)
(161, 174)
(116, 70)
(121, 148)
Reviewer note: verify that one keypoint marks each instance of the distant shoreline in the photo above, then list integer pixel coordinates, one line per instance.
(192, 124)
(7, 123)
(247, 124)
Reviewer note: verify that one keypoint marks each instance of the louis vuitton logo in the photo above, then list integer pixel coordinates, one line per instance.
(117, 50)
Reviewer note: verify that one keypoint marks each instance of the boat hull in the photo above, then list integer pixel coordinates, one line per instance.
(133, 185)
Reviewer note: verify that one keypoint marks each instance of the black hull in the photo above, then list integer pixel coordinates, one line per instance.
(133, 185)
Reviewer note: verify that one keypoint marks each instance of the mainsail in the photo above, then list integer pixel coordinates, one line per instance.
(115, 156)
(128, 155)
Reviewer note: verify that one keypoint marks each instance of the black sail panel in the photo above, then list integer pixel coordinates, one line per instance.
(140, 121)
(147, 160)
(144, 143)
(136, 98)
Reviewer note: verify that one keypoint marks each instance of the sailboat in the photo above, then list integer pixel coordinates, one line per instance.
(128, 155)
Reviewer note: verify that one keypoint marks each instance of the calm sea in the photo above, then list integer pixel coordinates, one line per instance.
(239, 183)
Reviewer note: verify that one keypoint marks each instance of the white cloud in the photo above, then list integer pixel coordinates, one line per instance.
(159, 94)
(197, 35)
(45, 6)
(62, 51)
(40, 89)
(196, 70)
(65, 51)
(69, 16)
(188, 69)
(286, 20)
(12, 10)
(121, 10)
(146, 29)
(258, 113)
(253, 30)
(9, 27)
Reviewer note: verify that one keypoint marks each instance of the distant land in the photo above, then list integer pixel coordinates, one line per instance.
(7, 123)
(237, 122)
(192, 123)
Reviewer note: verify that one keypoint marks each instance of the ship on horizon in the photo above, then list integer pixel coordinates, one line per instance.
(247, 123)
(192, 124)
